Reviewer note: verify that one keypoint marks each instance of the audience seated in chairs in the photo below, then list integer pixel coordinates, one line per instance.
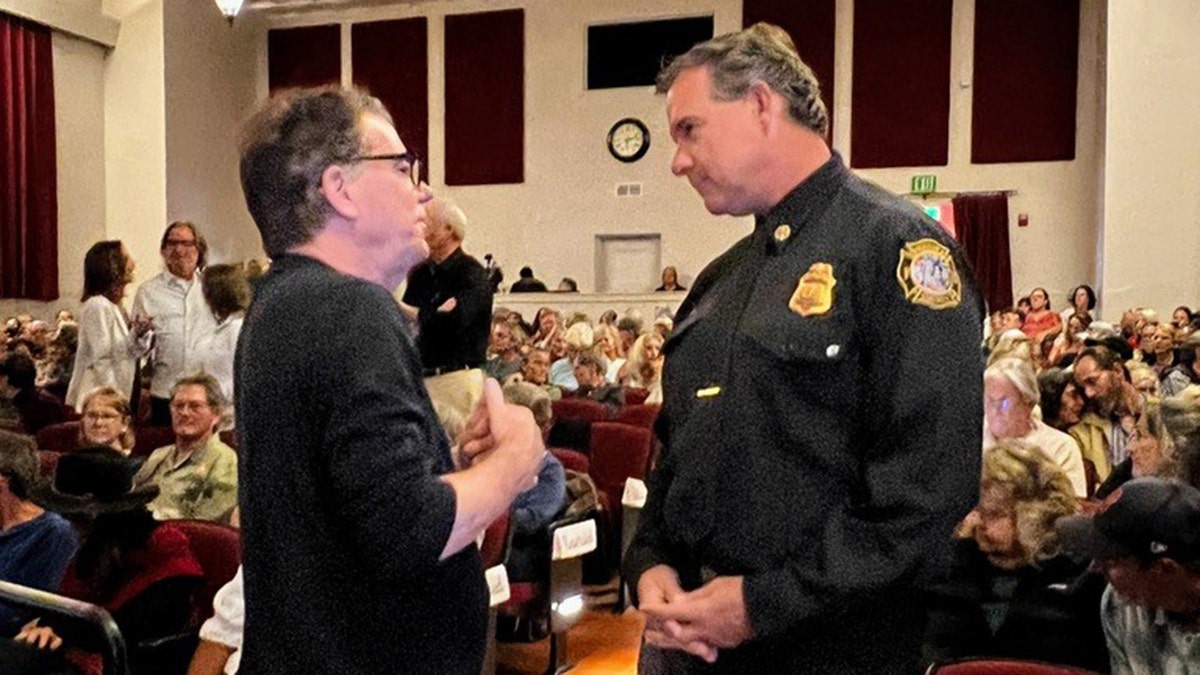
(142, 571)
(1147, 450)
(643, 368)
(197, 476)
(504, 351)
(36, 409)
(35, 544)
(535, 369)
(1010, 592)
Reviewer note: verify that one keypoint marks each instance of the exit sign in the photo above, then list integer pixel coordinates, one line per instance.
(924, 184)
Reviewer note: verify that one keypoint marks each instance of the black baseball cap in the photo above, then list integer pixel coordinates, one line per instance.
(1145, 518)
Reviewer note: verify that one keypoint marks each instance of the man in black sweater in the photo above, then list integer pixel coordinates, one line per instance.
(449, 296)
(358, 532)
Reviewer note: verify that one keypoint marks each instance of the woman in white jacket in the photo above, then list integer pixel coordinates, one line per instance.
(109, 343)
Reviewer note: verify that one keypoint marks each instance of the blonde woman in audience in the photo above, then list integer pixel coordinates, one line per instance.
(109, 343)
(608, 344)
(1158, 350)
(1012, 343)
(1011, 593)
(643, 369)
(1144, 379)
(1010, 393)
(107, 421)
(577, 339)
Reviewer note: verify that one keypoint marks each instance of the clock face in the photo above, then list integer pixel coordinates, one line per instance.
(628, 140)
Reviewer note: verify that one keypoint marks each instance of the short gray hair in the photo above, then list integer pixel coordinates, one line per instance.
(443, 210)
(1020, 374)
(761, 53)
(286, 147)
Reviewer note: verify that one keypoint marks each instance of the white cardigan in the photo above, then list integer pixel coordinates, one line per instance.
(107, 354)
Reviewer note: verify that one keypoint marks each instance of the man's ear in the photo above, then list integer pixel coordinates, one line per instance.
(764, 101)
(335, 183)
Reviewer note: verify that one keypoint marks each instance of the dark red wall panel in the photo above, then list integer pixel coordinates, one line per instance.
(901, 91)
(812, 25)
(1026, 72)
(390, 59)
(485, 98)
(304, 57)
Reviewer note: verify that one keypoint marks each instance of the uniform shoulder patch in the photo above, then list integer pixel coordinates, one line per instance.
(928, 276)
(814, 294)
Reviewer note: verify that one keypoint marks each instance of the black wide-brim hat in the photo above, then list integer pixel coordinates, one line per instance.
(94, 482)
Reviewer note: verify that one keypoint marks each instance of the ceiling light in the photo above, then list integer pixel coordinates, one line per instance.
(230, 8)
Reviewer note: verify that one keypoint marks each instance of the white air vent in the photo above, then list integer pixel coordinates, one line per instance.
(629, 189)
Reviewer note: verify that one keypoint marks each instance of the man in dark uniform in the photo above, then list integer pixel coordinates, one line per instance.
(449, 296)
(823, 386)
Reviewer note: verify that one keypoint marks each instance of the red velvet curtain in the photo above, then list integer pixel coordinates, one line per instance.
(28, 173)
(981, 223)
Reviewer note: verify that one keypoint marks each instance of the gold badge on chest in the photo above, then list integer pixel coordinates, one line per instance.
(814, 294)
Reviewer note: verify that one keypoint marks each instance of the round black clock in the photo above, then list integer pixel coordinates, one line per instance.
(628, 140)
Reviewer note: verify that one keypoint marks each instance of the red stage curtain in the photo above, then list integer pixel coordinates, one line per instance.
(485, 98)
(1026, 74)
(981, 222)
(812, 24)
(28, 163)
(310, 56)
(901, 83)
(390, 60)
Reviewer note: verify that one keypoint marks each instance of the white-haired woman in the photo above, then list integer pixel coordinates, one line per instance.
(1010, 393)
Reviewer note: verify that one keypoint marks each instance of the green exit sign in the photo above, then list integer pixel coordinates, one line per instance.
(924, 184)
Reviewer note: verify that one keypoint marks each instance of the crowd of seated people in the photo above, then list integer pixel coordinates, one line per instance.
(1076, 410)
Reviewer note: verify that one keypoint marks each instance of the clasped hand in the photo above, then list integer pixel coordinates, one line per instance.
(699, 622)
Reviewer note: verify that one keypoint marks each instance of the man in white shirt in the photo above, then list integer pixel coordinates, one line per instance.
(1010, 392)
(173, 300)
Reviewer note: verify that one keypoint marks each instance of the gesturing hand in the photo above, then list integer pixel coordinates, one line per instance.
(42, 637)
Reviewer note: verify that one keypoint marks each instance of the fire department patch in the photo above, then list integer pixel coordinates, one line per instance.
(927, 275)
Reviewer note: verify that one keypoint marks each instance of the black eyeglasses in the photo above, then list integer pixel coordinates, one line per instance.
(406, 163)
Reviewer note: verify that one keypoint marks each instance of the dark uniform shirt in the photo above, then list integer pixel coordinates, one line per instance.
(456, 339)
(344, 516)
(821, 428)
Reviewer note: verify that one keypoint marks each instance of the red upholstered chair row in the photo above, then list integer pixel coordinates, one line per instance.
(218, 548)
(1002, 667)
(64, 437)
(580, 409)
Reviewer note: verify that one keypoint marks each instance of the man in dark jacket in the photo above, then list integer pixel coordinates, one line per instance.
(822, 407)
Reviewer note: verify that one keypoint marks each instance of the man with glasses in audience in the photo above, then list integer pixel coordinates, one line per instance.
(197, 477)
(174, 302)
(822, 402)
(358, 531)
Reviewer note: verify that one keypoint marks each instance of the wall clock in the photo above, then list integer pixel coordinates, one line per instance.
(628, 139)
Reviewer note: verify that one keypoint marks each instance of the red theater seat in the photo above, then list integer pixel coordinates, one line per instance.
(1003, 667)
(580, 409)
(640, 415)
(61, 437)
(219, 550)
(149, 439)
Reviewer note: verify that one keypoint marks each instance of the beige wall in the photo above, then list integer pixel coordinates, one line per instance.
(134, 132)
(1151, 237)
(179, 82)
(568, 198)
(210, 84)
